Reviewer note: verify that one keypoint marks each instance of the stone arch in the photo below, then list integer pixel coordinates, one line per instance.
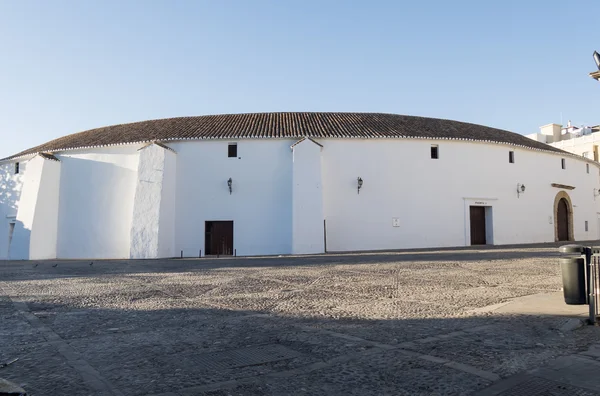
(557, 199)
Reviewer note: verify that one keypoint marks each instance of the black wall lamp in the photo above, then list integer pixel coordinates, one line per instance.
(229, 184)
(520, 189)
(360, 183)
(596, 193)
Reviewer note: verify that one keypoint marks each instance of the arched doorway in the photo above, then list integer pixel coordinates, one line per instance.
(563, 217)
(562, 220)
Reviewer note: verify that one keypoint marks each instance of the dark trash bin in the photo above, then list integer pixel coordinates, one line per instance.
(573, 277)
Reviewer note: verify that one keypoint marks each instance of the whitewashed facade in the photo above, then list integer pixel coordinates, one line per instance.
(582, 140)
(288, 196)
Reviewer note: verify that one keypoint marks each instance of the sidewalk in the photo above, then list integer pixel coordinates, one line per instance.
(574, 375)
(548, 304)
(551, 304)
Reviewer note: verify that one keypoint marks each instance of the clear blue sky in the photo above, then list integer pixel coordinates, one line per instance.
(68, 66)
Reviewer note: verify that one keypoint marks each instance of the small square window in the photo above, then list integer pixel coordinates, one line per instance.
(586, 226)
(435, 151)
(585, 154)
(563, 163)
(587, 168)
(232, 150)
(511, 157)
(16, 168)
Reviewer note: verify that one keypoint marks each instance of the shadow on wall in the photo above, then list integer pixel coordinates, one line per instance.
(17, 244)
(14, 237)
(8, 195)
(95, 209)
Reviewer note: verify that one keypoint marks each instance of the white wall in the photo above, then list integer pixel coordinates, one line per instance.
(538, 137)
(166, 230)
(146, 206)
(431, 197)
(44, 229)
(580, 145)
(11, 185)
(97, 188)
(260, 204)
(31, 194)
(152, 228)
(307, 201)
(272, 215)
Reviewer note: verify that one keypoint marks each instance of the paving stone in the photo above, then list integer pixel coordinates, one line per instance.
(511, 346)
(544, 387)
(41, 370)
(251, 356)
(386, 373)
(186, 326)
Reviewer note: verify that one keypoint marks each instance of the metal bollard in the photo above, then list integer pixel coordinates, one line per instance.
(593, 283)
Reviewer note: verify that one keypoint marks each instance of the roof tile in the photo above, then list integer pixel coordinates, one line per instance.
(285, 125)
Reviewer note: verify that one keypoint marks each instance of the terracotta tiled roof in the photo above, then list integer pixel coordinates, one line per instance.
(48, 156)
(285, 125)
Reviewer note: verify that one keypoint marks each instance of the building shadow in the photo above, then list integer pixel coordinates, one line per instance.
(279, 348)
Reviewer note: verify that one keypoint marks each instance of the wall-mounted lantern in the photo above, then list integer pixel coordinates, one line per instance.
(360, 183)
(596, 193)
(230, 184)
(520, 189)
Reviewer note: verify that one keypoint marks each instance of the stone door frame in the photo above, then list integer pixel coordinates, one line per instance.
(559, 196)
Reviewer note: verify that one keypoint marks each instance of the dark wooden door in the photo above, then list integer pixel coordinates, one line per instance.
(219, 238)
(562, 220)
(477, 214)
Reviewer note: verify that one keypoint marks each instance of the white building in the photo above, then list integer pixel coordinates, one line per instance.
(583, 140)
(281, 183)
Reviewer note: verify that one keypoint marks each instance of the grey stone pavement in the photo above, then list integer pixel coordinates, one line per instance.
(433, 322)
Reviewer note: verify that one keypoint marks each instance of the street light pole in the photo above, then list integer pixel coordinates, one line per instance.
(596, 75)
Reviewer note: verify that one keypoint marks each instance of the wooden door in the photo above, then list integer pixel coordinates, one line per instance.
(562, 220)
(219, 238)
(477, 215)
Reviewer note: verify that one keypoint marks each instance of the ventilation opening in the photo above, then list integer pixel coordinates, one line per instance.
(435, 151)
(232, 150)
(511, 157)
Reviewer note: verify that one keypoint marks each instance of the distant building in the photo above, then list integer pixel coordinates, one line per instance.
(582, 140)
(291, 183)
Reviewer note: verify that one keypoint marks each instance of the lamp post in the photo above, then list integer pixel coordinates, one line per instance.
(596, 75)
